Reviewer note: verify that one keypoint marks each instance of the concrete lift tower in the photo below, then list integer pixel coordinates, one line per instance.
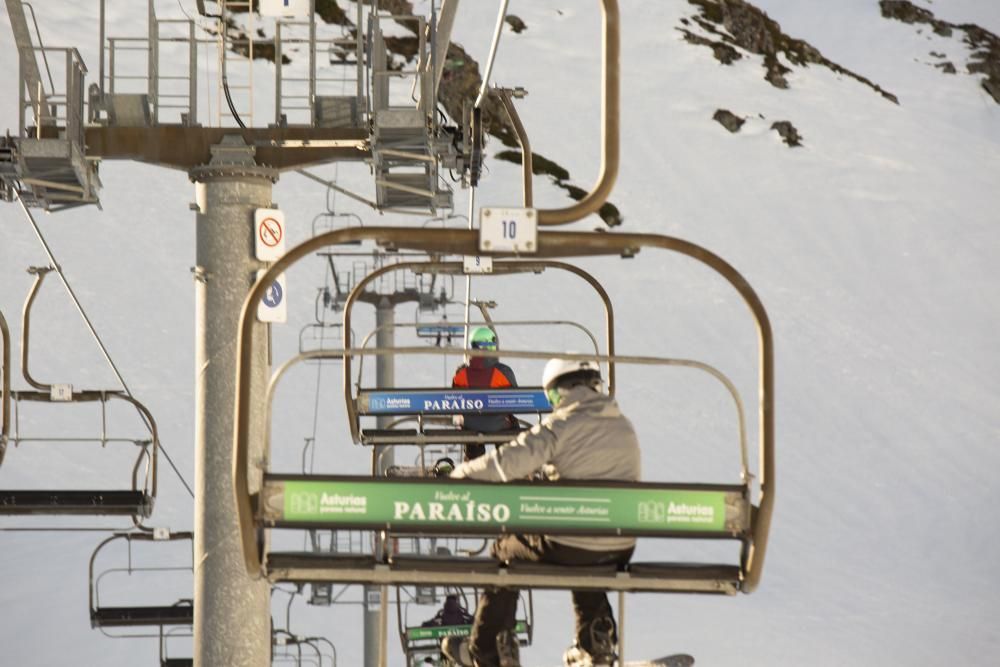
(67, 127)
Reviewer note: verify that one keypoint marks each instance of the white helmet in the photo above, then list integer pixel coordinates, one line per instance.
(557, 368)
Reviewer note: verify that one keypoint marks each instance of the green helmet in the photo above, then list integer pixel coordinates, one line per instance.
(483, 338)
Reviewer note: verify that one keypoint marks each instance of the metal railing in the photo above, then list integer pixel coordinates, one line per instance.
(296, 94)
(162, 73)
(421, 82)
(58, 108)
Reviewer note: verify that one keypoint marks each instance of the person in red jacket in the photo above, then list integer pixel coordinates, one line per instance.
(484, 373)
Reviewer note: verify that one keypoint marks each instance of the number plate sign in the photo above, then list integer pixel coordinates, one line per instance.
(478, 264)
(284, 7)
(508, 230)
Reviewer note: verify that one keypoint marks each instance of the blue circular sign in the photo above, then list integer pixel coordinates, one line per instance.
(274, 295)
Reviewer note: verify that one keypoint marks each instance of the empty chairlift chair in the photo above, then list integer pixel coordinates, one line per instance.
(139, 567)
(135, 498)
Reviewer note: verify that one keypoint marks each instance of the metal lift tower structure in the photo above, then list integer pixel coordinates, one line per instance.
(66, 128)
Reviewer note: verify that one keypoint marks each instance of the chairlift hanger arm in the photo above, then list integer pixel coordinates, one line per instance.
(4, 386)
(504, 95)
(39, 273)
(610, 121)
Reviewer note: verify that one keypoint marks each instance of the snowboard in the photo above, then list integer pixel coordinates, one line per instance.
(675, 660)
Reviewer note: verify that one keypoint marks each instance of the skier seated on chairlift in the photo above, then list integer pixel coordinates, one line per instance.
(452, 613)
(586, 437)
(484, 373)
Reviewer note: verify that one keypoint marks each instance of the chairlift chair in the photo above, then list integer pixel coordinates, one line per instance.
(738, 511)
(293, 500)
(133, 617)
(445, 327)
(287, 649)
(421, 642)
(136, 501)
(167, 636)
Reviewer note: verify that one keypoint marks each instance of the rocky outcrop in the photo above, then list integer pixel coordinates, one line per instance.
(788, 133)
(907, 12)
(728, 120)
(733, 25)
(516, 23)
(985, 46)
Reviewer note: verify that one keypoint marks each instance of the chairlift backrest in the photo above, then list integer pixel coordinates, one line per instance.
(398, 402)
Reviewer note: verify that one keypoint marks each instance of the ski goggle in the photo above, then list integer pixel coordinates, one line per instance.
(553, 396)
(484, 345)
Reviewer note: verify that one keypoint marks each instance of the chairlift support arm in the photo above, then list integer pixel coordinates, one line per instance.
(39, 273)
(4, 386)
(610, 120)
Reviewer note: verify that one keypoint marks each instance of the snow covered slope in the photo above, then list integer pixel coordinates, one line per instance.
(873, 246)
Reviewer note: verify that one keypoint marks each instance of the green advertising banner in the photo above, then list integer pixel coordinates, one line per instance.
(537, 508)
(442, 631)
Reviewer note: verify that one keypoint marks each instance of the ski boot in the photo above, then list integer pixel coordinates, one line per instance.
(602, 645)
(508, 649)
(456, 649)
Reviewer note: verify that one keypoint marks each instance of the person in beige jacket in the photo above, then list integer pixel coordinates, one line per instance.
(586, 437)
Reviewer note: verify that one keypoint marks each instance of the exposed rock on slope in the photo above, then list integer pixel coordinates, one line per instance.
(985, 46)
(516, 23)
(788, 133)
(728, 120)
(731, 25)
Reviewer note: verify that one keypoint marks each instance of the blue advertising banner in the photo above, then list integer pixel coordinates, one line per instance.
(452, 401)
(433, 330)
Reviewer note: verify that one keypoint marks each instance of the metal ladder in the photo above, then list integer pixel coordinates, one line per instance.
(404, 125)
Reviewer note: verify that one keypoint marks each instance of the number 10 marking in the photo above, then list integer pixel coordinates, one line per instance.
(509, 229)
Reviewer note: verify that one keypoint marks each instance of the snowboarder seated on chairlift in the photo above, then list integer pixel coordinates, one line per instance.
(586, 437)
(484, 373)
(452, 613)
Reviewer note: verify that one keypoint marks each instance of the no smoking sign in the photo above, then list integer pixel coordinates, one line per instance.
(269, 234)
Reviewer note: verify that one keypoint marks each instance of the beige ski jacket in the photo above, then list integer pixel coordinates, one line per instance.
(586, 438)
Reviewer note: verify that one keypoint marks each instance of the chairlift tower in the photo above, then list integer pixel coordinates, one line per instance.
(144, 107)
(385, 301)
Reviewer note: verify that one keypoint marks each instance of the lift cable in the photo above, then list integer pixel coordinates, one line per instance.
(484, 87)
(62, 529)
(93, 331)
(330, 203)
